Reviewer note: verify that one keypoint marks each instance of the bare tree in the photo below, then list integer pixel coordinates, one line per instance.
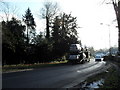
(48, 12)
(116, 5)
(7, 9)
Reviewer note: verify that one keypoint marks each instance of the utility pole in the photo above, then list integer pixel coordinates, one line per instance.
(109, 40)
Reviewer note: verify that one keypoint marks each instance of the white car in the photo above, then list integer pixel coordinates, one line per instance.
(74, 57)
(75, 48)
(98, 58)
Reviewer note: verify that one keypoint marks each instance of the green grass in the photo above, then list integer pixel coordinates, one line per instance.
(95, 77)
(8, 68)
(111, 78)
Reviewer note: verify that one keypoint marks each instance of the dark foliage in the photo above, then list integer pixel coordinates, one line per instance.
(13, 41)
(64, 33)
(16, 50)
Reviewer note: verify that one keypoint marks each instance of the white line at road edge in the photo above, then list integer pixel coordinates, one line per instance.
(92, 67)
(79, 80)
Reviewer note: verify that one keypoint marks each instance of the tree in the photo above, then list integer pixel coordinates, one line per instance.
(116, 6)
(48, 12)
(38, 39)
(64, 33)
(92, 51)
(7, 10)
(42, 49)
(13, 32)
(13, 41)
(29, 21)
(65, 27)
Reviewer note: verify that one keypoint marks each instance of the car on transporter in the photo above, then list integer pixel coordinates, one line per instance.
(77, 54)
(75, 48)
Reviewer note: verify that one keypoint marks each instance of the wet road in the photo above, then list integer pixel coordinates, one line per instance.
(53, 77)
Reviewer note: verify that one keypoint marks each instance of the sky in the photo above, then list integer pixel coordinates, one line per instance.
(96, 19)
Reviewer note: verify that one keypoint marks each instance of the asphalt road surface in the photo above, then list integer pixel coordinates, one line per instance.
(64, 76)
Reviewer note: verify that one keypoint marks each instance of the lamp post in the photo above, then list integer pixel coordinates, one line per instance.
(109, 39)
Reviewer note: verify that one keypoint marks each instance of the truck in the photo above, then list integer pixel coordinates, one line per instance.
(78, 55)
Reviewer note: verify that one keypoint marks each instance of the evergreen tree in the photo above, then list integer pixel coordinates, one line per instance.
(64, 33)
(29, 21)
(13, 41)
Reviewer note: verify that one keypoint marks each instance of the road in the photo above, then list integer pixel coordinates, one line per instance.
(52, 77)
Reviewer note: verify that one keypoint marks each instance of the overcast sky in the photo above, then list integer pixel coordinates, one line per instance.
(89, 13)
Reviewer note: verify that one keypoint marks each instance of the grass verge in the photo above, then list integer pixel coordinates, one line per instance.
(111, 79)
(19, 67)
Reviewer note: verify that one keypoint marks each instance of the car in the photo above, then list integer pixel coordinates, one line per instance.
(75, 48)
(98, 58)
(74, 57)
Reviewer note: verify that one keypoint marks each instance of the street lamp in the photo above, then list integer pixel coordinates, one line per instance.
(109, 39)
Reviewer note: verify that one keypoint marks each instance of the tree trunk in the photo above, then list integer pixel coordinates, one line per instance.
(47, 28)
(27, 36)
(118, 19)
(117, 12)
